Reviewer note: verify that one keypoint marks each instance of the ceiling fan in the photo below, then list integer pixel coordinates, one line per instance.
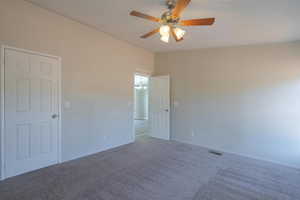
(170, 20)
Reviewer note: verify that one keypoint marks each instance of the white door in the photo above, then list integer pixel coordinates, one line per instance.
(159, 107)
(31, 112)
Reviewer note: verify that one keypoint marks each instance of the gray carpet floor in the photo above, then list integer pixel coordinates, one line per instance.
(152, 169)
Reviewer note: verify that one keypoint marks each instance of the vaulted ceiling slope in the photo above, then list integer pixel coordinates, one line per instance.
(238, 22)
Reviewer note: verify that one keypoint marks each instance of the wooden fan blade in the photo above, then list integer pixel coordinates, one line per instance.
(150, 33)
(198, 22)
(144, 16)
(175, 36)
(180, 6)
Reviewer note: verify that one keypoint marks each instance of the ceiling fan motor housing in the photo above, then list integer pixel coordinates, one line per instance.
(167, 18)
(171, 4)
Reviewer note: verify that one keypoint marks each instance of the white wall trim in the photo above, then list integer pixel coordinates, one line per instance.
(2, 114)
(3, 48)
(143, 72)
(103, 149)
(239, 154)
(59, 110)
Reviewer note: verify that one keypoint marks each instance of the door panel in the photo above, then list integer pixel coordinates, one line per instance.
(31, 134)
(23, 95)
(46, 137)
(46, 94)
(159, 107)
(23, 141)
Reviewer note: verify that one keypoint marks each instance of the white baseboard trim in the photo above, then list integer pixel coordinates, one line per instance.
(96, 152)
(239, 154)
(83, 155)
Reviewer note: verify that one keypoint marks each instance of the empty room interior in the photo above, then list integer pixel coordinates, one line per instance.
(150, 100)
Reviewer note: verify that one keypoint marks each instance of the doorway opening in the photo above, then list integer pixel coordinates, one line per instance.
(141, 105)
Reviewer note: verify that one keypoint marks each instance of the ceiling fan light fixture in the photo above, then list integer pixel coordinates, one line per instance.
(165, 38)
(179, 32)
(170, 19)
(164, 30)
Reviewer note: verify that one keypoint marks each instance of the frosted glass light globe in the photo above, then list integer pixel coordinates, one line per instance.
(165, 38)
(164, 30)
(179, 33)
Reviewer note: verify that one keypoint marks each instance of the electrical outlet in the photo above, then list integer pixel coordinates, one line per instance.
(193, 133)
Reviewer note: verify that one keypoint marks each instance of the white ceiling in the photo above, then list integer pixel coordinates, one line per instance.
(238, 22)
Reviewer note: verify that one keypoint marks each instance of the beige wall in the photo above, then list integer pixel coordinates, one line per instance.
(244, 100)
(97, 74)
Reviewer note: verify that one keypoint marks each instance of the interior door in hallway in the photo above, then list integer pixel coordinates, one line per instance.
(159, 107)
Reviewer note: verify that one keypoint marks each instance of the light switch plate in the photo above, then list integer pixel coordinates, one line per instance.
(67, 104)
(176, 104)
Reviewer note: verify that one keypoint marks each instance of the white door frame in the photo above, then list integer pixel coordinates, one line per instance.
(141, 73)
(2, 144)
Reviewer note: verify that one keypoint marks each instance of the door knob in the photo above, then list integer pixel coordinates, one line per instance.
(167, 110)
(54, 116)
